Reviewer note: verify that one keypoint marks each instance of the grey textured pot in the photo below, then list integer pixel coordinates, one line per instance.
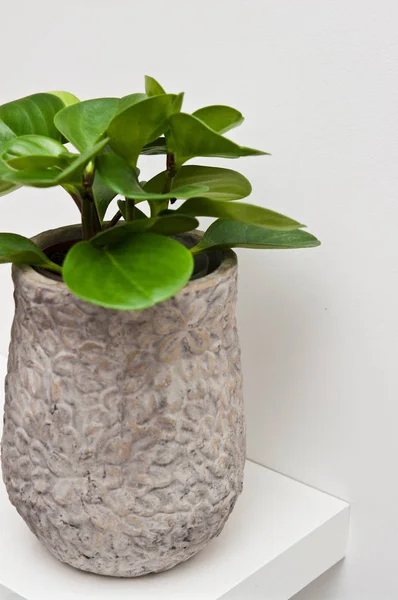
(124, 444)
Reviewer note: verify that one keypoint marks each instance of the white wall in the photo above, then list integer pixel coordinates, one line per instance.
(318, 83)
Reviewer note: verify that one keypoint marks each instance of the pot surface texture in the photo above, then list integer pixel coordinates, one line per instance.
(124, 442)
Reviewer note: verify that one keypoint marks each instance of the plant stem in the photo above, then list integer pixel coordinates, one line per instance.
(77, 201)
(159, 205)
(171, 173)
(171, 164)
(88, 219)
(130, 209)
(115, 219)
(91, 224)
(52, 266)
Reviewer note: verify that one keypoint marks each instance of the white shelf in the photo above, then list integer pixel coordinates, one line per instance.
(281, 536)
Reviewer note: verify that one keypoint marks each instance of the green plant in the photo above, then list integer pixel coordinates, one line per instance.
(133, 261)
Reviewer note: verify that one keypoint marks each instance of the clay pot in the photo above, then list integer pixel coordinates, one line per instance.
(123, 446)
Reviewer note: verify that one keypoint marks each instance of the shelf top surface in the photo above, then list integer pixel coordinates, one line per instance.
(273, 513)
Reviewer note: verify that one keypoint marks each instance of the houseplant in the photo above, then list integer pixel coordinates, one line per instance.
(123, 444)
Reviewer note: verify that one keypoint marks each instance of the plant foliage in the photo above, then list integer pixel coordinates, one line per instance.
(92, 148)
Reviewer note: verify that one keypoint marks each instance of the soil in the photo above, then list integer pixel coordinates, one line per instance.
(57, 252)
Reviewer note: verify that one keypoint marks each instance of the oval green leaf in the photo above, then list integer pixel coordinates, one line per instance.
(170, 224)
(33, 115)
(177, 105)
(173, 224)
(6, 187)
(85, 123)
(122, 179)
(67, 98)
(129, 100)
(35, 151)
(72, 174)
(138, 272)
(238, 211)
(231, 234)
(20, 250)
(190, 137)
(139, 125)
(219, 118)
(222, 184)
(152, 87)
(103, 195)
(5, 134)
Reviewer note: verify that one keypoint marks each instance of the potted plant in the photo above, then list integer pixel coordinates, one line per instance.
(124, 443)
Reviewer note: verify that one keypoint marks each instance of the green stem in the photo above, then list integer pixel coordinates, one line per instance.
(91, 224)
(52, 266)
(88, 219)
(130, 209)
(158, 205)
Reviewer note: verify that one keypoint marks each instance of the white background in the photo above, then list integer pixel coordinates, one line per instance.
(318, 83)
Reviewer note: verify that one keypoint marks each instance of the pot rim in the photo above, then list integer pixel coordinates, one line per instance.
(226, 268)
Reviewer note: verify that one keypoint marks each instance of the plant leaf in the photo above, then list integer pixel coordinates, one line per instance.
(172, 224)
(219, 118)
(74, 171)
(135, 273)
(129, 100)
(5, 134)
(33, 177)
(83, 124)
(140, 124)
(177, 105)
(190, 137)
(222, 184)
(50, 177)
(122, 179)
(35, 151)
(238, 211)
(6, 187)
(20, 250)
(67, 98)
(232, 234)
(156, 147)
(169, 224)
(33, 115)
(152, 87)
(138, 214)
(118, 175)
(103, 195)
